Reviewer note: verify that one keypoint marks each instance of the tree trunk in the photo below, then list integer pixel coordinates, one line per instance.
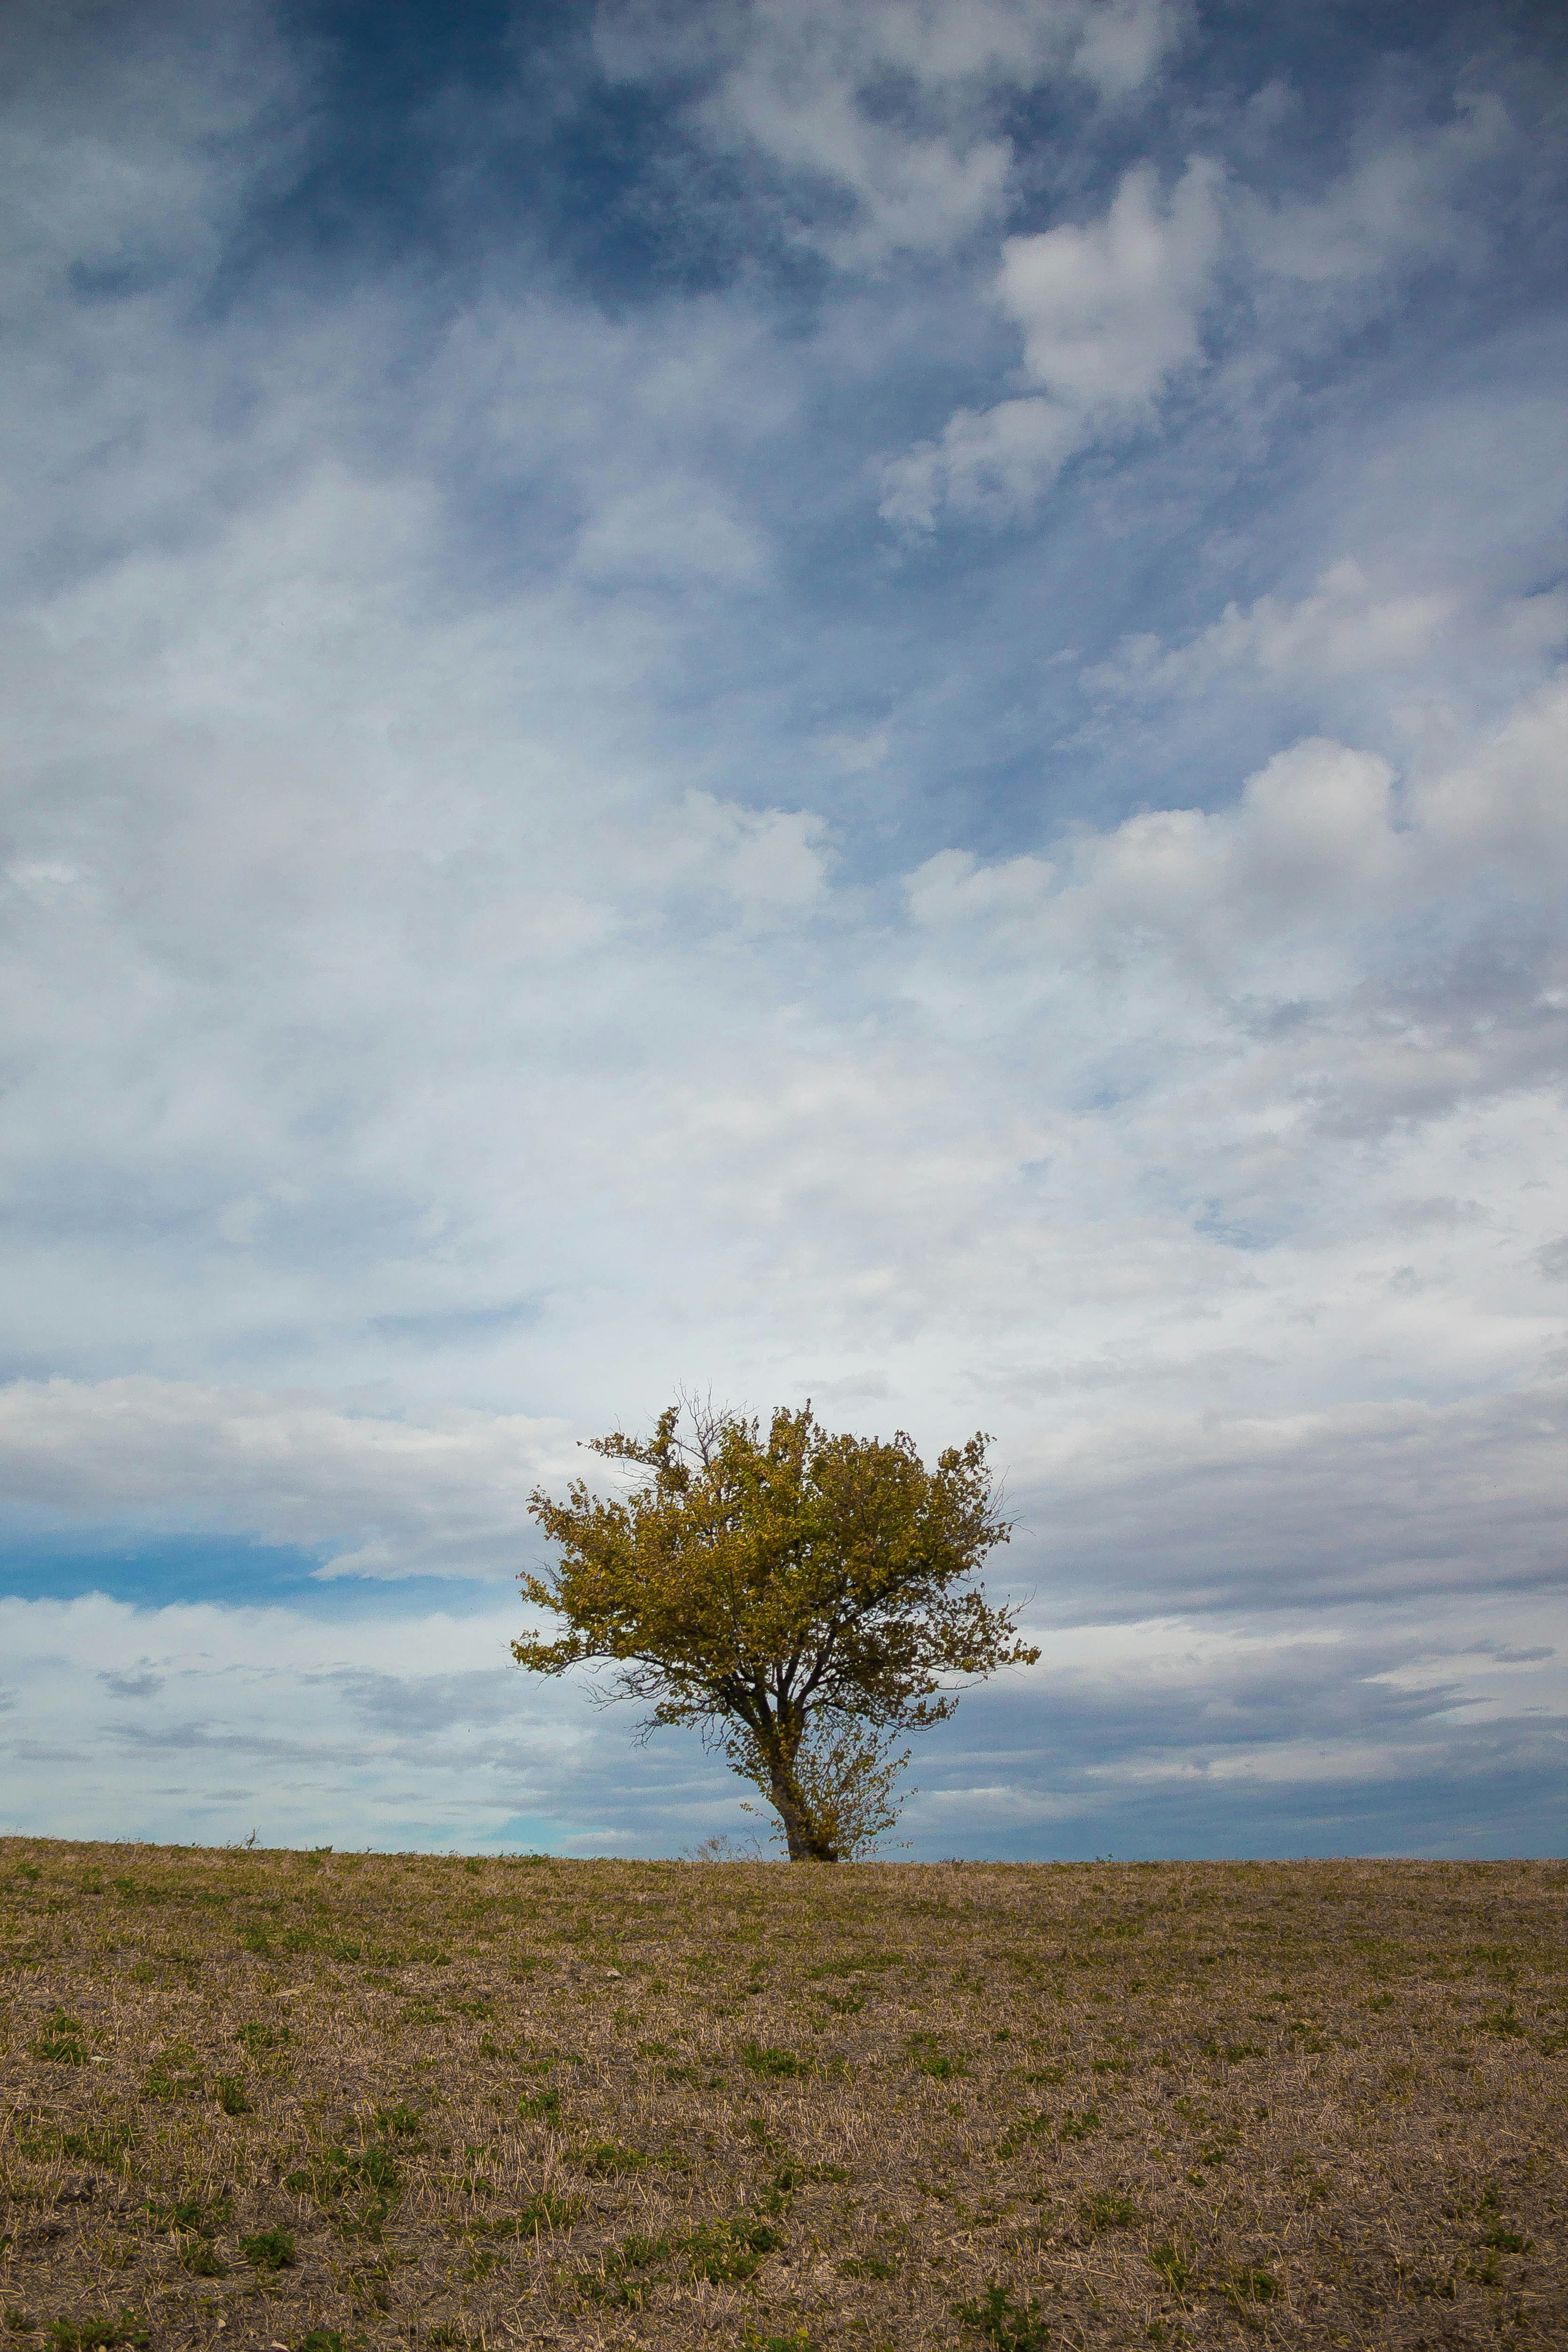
(806, 1840)
(778, 1740)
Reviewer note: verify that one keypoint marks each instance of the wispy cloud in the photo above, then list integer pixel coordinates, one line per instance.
(879, 130)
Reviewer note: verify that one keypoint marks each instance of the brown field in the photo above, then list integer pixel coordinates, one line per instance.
(326, 2100)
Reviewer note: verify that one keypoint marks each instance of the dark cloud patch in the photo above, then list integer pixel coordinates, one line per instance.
(143, 1686)
(1466, 1804)
(413, 1707)
(1334, 1510)
(457, 1326)
(1308, 1754)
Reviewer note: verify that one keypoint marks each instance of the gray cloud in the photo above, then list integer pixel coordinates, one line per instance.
(144, 1686)
(1214, 1726)
(380, 1495)
(1328, 1509)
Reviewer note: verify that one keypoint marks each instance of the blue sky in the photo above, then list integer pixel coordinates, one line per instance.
(855, 700)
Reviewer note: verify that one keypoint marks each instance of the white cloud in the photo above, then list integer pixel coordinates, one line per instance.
(1112, 314)
(953, 887)
(1125, 42)
(1401, 200)
(1108, 314)
(1110, 311)
(1321, 817)
(671, 531)
(1297, 949)
(1343, 628)
(803, 87)
(1141, 1117)
(411, 1732)
(994, 461)
(1509, 803)
(1312, 834)
(772, 861)
(124, 176)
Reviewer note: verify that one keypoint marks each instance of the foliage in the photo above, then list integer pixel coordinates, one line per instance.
(803, 1598)
(175, 2074)
(402, 2120)
(206, 2215)
(1079, 2126)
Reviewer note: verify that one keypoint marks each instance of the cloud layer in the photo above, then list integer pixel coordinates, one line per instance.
(1159, 1734)
(837, 700)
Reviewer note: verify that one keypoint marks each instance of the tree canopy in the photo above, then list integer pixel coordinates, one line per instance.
(805, 1598)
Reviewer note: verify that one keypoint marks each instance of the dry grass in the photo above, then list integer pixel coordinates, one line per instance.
(530, 2101)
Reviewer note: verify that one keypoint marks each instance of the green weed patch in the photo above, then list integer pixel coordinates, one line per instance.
(1010, 2326)
(62, 2041)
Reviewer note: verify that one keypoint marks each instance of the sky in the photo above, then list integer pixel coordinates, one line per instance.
(860, 699)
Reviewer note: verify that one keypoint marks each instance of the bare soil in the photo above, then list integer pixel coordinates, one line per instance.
(257, 2099)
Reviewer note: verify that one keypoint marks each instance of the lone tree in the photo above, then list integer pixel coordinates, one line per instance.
(803, 1598)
